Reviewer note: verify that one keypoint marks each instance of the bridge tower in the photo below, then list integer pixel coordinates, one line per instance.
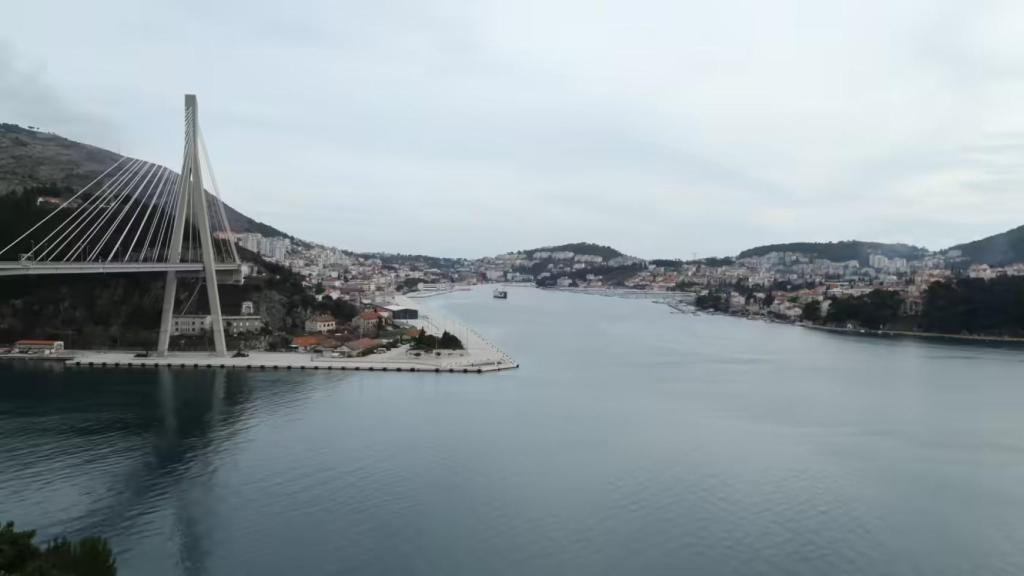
(192, 194)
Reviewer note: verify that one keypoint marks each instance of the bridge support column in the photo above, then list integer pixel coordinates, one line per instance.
(192, 204)
(170, 291)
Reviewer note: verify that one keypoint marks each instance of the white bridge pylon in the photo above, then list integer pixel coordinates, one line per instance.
(140, 217)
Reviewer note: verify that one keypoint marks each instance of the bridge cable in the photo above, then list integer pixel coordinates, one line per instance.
(158, 202)
(86, 206)
(83, 244)
(220, 201)
(62, 206)
(175, 203)
(147, 199)
(135, 195)
(94, 203)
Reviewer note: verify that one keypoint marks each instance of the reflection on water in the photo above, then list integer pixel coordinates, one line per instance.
(85, 450)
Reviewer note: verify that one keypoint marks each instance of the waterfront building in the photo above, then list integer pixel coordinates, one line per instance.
(190, 324)
(360, 347)
(367, 322)
(39, 346)
(402, 312)
(322, 323)
(242, 324)
(197, 324)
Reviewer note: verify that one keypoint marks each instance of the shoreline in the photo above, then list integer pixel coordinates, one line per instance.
(479, 355)
(981, 339)
(910, 334)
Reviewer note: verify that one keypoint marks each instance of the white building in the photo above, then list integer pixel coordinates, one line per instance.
(249, 240)
(190, 324)
(321, 323)
(197, 324)
(274, 248)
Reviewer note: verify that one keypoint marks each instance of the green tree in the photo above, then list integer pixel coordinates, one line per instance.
(90, 556)
(873, 310)
(812, 311)
(449, 341)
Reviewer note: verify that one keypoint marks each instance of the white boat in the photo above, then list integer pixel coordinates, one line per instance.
(500, 294)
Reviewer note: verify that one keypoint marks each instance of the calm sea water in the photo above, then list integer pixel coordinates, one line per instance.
(632, 441)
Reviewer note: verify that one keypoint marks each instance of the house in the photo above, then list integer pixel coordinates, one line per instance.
(402, 313)
(313, 342)
(367, 322)
(197, 324)
(242, 324)
(322, 323)
(360, 347)
(44, 346)
(305, 342)
(190, 324)
(384, 311)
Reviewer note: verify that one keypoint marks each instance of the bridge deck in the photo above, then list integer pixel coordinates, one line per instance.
(18, 268)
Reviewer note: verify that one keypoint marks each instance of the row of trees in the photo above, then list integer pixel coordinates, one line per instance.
(447, 341)
(874, 310)
(975, 306)
(964, 306)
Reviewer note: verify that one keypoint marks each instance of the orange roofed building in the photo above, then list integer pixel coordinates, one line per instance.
(368, 321)
(314, 341)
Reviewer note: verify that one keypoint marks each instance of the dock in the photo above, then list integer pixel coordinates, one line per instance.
(394, 361)
(479, 356)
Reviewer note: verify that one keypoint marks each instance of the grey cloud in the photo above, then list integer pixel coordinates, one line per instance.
(663, 128)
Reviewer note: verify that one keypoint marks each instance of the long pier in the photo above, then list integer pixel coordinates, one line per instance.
(287, 361)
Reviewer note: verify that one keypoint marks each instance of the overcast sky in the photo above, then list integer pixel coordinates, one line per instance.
(473, 128)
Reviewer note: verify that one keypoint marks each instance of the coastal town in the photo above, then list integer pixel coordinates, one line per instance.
(334, 304)
(787, 285)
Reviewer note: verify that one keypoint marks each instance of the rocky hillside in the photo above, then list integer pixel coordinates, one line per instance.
(840, 251)
(996, 250)
(31, 158)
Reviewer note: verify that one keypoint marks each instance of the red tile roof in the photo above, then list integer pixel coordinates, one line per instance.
(362, 344)
(305, 340)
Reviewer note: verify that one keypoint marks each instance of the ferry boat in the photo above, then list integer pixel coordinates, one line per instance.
(500, 294)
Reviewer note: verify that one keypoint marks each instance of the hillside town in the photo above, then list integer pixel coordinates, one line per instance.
(785, 285)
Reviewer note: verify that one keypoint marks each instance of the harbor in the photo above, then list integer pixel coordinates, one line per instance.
(478, 356)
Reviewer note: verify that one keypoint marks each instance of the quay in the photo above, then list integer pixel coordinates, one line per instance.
(394, 361)
(479, 355)
(923, 335)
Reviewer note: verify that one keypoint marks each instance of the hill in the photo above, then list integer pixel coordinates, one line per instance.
(840, 251)
(588, 248)
(996, 250)
(29, 158)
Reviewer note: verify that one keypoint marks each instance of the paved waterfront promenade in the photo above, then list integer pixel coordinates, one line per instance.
(479, 356)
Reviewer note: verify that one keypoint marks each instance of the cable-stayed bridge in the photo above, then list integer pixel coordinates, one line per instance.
(140, 217)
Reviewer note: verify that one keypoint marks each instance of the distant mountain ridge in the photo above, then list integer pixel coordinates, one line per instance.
(586, 248)
(31, 158)
(840, 251)
(996, 250)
